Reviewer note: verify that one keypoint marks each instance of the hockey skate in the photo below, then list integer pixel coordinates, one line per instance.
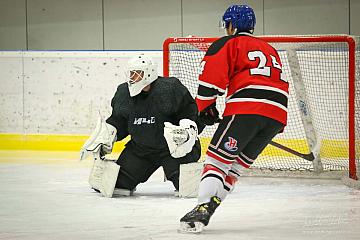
(195, 220)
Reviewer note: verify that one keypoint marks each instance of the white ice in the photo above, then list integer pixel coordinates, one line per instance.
(53, 201)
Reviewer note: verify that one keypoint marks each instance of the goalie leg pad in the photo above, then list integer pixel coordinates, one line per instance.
(190, 175)
(103, 176)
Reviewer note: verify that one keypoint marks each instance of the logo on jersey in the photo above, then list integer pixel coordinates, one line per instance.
(231, 144)
(141, 120)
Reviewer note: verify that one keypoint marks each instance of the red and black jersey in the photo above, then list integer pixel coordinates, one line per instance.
(251, 71)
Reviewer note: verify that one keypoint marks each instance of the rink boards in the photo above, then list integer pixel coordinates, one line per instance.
(330, 148)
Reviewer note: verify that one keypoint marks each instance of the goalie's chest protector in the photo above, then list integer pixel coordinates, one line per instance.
(148, 111)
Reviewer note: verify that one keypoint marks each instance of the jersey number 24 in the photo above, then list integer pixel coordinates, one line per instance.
(262, 69)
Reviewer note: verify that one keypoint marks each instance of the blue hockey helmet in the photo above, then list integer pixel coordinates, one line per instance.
(241, 17)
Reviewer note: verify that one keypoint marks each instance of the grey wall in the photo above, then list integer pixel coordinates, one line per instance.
(144, 24)
(12, 24)
(65, 24)
(140, 24)
(201, 19)
(306, 17)
(355, 17)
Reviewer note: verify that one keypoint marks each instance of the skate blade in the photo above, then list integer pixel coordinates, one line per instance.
(191, 227)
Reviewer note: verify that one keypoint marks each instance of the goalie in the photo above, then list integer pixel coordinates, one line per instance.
(159, 114)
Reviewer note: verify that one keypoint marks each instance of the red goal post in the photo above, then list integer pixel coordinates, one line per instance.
(342, 50)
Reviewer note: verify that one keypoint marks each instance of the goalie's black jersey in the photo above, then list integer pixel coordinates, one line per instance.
(143, 116)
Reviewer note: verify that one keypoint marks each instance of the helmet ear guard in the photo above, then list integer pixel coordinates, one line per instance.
(139, 73)
(241, 17)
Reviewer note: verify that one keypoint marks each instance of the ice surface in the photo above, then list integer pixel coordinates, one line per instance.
(51, 199)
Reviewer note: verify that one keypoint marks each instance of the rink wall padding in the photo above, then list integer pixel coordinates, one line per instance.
(50, 142)
(43, 142)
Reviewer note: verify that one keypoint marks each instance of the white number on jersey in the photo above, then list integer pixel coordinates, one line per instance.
(262, 69)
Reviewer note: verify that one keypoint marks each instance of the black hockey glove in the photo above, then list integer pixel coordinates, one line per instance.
(209, 116)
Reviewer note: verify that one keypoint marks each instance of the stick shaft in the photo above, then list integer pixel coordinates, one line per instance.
(306, 156)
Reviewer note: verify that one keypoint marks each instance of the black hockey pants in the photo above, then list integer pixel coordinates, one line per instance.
(136, 166)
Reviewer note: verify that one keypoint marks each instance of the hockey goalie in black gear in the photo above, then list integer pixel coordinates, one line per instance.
(160, 116)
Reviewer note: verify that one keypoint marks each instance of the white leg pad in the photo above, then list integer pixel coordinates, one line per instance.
(189, 179)
(103, 176)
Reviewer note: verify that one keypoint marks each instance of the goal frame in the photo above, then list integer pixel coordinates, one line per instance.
(297, 39)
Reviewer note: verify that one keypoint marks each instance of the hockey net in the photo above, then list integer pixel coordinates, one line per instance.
(323, 132)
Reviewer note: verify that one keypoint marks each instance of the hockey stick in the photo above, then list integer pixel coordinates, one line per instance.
(308, 156)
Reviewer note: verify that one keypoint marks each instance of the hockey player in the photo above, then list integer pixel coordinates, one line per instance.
(159, 114)
(256, 108)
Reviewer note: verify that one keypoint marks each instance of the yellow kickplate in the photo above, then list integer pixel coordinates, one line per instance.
(45, 142)
(330, 148)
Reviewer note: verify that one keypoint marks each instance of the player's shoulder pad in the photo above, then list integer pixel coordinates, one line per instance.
(121, 101)
(170, 87)
(168, 79)
(218, 44)
(122, 94)
(171, 82)
(259, 39)
(123, 89)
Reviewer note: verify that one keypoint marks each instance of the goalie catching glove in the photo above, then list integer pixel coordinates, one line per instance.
(101, 140)
(180, 139)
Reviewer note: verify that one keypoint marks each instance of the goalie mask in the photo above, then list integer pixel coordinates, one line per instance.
(140, 72)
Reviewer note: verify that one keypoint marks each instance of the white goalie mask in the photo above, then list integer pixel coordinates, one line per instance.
(140, 72)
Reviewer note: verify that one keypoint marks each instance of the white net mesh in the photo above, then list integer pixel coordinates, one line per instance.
(324, 72)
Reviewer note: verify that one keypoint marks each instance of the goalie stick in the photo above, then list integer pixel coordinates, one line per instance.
(306, 156)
